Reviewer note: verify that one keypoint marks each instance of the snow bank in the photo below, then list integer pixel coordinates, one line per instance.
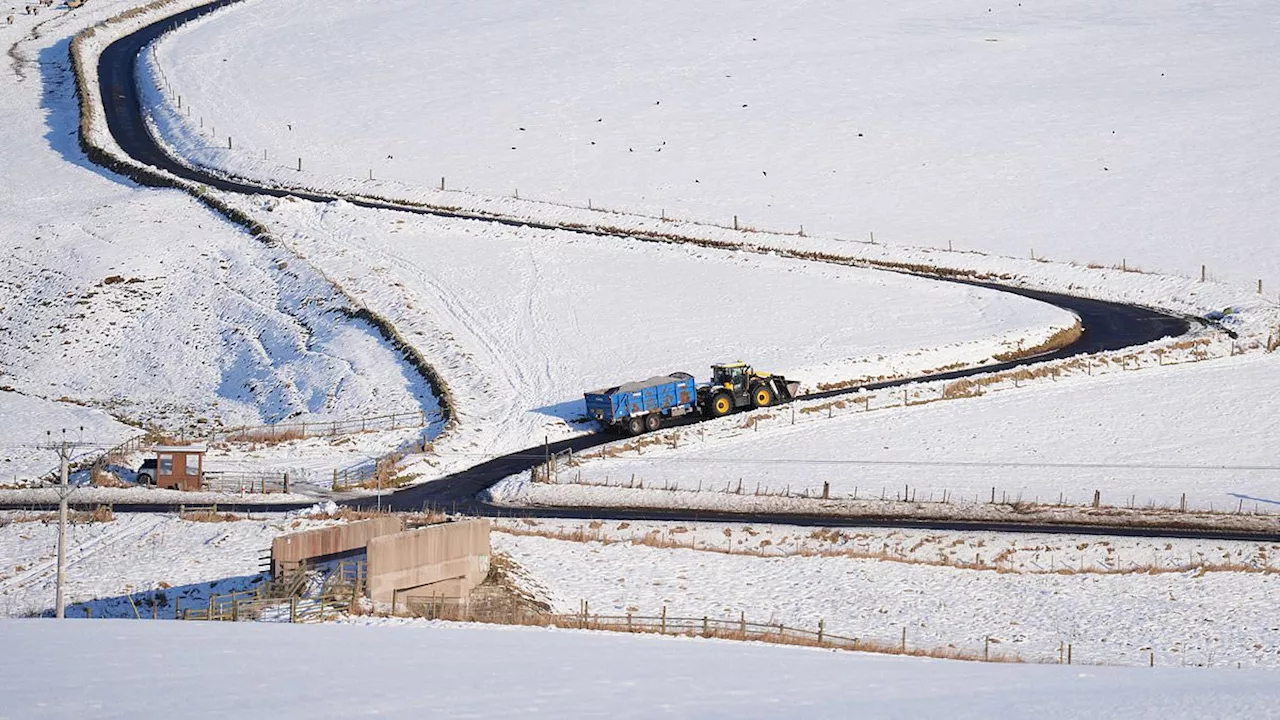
(270, 671)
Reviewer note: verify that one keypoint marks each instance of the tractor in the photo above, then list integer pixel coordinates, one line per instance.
(737, 386)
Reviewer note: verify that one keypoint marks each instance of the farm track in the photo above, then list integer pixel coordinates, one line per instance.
(1107, 326)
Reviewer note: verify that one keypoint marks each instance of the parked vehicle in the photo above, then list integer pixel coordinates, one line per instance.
(146, 472)
(644, 406)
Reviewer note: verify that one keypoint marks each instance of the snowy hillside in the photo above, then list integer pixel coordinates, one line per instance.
(144, 303)
(29, 423)
(221, 669)
(1080, 130)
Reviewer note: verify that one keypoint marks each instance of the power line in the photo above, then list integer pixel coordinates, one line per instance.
(64, 448)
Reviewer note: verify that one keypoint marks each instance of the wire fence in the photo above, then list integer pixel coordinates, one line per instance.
(301, 597)
(246, 482)
(283, 432)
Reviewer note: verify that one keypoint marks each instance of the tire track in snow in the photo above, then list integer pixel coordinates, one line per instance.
(135, 528)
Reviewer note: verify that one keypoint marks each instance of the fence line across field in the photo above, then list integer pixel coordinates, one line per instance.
(905, 493)
(342, 592)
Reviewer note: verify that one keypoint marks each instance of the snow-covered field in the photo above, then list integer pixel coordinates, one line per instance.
(1146, 437)
(520, 322)
(1115, 600)
(1076, 130)
(131, 555)
(1032, 595)
(242, 670)
(142, 302)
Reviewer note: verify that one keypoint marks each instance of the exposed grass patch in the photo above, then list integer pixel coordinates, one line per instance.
(1065, 337)
(208, 516)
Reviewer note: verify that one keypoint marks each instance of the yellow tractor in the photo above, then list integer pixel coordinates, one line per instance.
(735, 386)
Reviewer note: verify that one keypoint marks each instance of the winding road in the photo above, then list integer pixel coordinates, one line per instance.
(1107, 326)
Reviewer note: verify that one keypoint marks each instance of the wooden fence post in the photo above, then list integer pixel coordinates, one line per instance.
(986, 650)
(904, 640)
(821, 627)
(293, 609)
(664, 620)
(177, 608)
(1068, 653)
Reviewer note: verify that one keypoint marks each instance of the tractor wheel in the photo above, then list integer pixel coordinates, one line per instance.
(721, 404)
(635, 425)
(652, 422)
(762, 396)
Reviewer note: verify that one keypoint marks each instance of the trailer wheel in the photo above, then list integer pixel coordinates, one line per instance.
(721, 404)
(635, 425)
(762, 396)
(652, 422)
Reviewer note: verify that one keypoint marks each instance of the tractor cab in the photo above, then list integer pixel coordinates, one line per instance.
(731, 376)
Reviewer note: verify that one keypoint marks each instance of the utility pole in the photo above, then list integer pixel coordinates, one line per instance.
(64, 449)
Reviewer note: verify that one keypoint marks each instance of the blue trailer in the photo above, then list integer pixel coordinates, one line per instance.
(637, 407)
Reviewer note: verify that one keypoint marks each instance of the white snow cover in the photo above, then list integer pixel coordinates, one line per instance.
(24, 421)
(141, 301)
(1148, 437)
(134, 554)
(1048, 591)
(332, 88)
(520, 322)
(285, 671)
(1079, 130)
